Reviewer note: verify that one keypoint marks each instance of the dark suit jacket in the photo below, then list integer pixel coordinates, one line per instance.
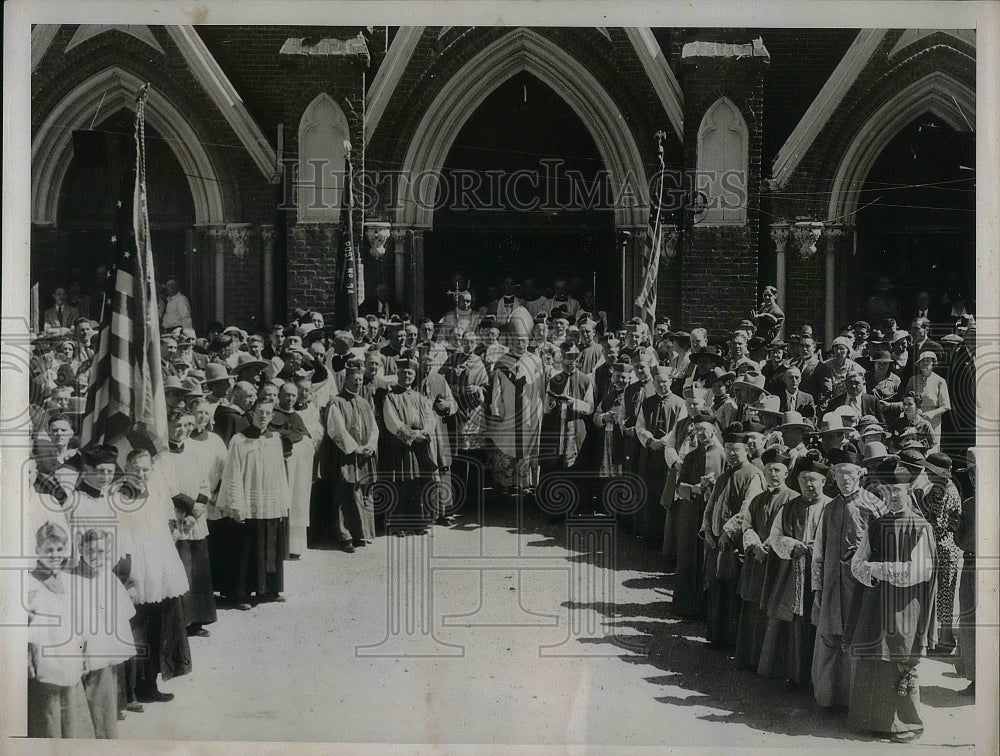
(869, 405)
(69, 314)
(370, 307)
(804, 403)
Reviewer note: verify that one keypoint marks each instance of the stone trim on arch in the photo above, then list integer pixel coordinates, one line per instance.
(939, 93)
(52, 145)
(524, 49)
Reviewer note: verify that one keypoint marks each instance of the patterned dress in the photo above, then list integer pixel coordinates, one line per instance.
(941, 503)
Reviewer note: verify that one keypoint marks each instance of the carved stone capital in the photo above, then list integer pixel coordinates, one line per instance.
(807, 234)
(239, 235)
(268, 235)
(779, 235)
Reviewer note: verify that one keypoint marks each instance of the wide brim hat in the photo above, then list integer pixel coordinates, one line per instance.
(939, 464)
(793, 420)
(173, 383)
(719, 374)
(753, 381)
(833, 422)
(876, 453)
(193, 388)
(215, 372)
(708, 354)
(247, 363)
(768, 404)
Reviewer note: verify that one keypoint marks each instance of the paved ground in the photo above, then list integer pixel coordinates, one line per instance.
(521, 640)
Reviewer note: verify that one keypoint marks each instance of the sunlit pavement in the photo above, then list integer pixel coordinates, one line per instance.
(498, 634)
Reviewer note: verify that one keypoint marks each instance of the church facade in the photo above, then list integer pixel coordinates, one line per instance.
(831, 163)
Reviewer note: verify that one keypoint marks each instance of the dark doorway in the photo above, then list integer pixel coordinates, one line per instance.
(525, 194)
(86, 215)
(918, 233)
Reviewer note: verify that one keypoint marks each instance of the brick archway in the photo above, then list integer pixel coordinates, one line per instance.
(524, 50)
(51, 148)
(945, 96)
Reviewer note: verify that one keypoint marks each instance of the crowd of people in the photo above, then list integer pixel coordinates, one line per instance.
(806, 500)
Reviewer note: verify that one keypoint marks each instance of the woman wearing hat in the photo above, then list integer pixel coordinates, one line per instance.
(895, 565)
(942, 506)
(724, 407)
(881, 381)
(931, 392)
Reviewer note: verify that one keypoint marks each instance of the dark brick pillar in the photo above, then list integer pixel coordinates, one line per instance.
(719, 262)
(313, 250)
(311, 264)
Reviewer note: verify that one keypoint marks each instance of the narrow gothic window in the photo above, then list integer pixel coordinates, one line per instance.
(320, 183)
(722, 163)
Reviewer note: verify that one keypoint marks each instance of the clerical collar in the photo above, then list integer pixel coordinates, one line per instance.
(176, 448)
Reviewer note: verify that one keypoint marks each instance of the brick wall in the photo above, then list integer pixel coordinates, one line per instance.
(311, 267)
(719, 264)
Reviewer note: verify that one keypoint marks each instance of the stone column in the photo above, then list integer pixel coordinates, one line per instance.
(267, 239)
(834, 234)
(218, 235)
(629, 243)
(416, 248)
(779, 235)
(399, 261)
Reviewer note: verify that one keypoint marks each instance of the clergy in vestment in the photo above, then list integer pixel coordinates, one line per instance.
(699, 470)
(412, 427)
(299, 463)
(836, 592)
(763, 511)
(657, 418)
(157, 575)
(187, 481)
(353, 433)
(895, 563)
(789, 640)
(255, 494)
(435, 389)
(732, 493)
(514, 413)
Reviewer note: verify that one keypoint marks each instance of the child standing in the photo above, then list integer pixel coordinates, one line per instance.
(104, 609)
(57, 705)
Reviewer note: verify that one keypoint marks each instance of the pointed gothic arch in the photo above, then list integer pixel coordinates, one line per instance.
(939, 93)
(723, 162)
(52, 145)
(323, 129)
(523, 49)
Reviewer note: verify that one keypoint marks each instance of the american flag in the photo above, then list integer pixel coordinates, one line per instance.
(125, 398)
(646, 301)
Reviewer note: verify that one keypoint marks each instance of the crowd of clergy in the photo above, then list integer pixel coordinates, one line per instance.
(813, 504)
